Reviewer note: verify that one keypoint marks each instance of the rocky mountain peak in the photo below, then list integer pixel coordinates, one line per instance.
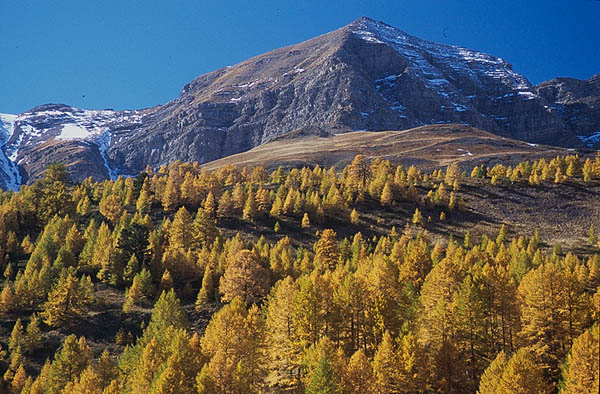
(364, 76)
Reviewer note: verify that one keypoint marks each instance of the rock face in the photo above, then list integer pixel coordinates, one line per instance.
(578, 105)
(364, 76)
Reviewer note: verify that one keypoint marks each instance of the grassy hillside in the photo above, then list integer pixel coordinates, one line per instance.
(427, 147)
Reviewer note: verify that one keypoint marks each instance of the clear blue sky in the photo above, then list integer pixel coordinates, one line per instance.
(128, 54)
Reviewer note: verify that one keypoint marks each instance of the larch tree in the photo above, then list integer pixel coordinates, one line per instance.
(234, 338)
(88, 382)
(238, 198)
(523, 374)
(452, 174)
(171, 196)
(207, 291)
(250, 211)
(326, 254)
(225, 207)
(437, 296)
(147, 368)
(305, 220)
(450, 373)
(385, 366)
(74, 357)
(550, 321)
(180, 230)
(245, 277)
(111, 208)
(358, 375)
(17, 337)
(580, 372)
(412, 365)
(210, 205)
(204, 228)
(354, 217)
(491, 380)
(387, 196)
(68, 301)
(284, 351)
(417, 217)
(56, 197)
(324, 379)
(18, 381)
(33, 340)
(360, 171)
(592, 237)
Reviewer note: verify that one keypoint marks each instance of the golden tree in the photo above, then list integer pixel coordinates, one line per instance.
(524, 375)
(74, 357)
(234, 344)
(358, 376)
(385, 366)
(452, 174)
(284, 351)
(111, 208)
(387, 196)
(359, 171)
(354, 217)
(491, 379)
(417, 217)
(244, 277)
(552, 313)
(580, 372)
(68, 301)
(326, 249)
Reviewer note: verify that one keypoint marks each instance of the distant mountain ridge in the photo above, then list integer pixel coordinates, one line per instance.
(365, 76)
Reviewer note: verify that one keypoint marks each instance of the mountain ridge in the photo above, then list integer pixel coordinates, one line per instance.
(364, 76)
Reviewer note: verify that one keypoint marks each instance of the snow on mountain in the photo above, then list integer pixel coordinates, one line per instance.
(590, 140)
(435, 61)
(7, 166)
(445, 68)
(58, 123)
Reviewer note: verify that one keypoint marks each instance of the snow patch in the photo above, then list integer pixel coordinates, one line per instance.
(528, 95)
(103, 142)
(8, 166)
(590, 140)
(365, 115)
(388, 82)
(73, 131)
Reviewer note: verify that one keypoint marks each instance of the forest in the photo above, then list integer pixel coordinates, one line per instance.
(242, 280)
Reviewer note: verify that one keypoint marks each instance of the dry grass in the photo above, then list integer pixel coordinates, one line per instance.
(427, 147)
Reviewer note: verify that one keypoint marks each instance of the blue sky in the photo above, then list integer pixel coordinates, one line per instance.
(130, 54)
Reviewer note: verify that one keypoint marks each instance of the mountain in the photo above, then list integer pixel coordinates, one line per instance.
(578, 105)
(364, 76)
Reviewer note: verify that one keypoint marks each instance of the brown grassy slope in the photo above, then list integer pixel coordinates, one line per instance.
(426, 147)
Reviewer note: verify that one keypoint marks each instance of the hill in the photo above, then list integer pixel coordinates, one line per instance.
(427, 147)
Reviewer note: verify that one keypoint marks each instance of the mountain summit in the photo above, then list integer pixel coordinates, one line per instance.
(365, 76)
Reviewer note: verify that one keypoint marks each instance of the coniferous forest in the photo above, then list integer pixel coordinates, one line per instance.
(243, 280)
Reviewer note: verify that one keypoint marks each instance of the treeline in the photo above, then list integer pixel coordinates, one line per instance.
(558, 170)
(395, 313)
